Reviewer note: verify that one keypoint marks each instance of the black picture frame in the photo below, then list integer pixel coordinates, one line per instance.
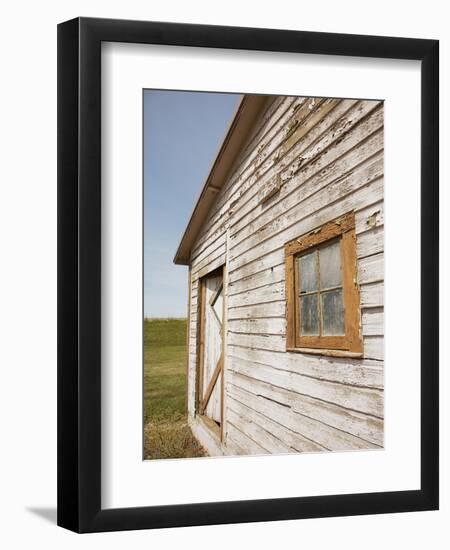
(79, 274)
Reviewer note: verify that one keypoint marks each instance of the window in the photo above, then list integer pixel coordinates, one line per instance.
(322, 295)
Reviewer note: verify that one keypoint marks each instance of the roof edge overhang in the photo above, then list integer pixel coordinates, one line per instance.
(237, 132)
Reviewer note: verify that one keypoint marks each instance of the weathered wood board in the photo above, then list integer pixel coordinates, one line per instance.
(306, 162)
(213, 313)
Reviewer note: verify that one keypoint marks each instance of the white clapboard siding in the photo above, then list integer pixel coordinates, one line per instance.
(218, 249)
(267, 293)
(258, 311)
(271, 115)
(218, 261)
(262, 173)
(245, 443)
(243, 176)
(305, 200)
(354, 423)
(293, 181)
(373, 322)
(208, 250)
(326, 157)
(365, 400)
(318, 432)
(371, 269)
(343, 370)
(256, 341)
(370, 242)
(293, 440)
(260, 150)
(268, 276)
(255, 431)
(287, 158)
(304, 172)
(370, 217)
(274, 325)
(374, 347)
(317, 213)
(372, 295)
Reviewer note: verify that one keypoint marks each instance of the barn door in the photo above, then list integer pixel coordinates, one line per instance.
(211, 364)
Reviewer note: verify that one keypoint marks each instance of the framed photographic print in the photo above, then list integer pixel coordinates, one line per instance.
(248, 275)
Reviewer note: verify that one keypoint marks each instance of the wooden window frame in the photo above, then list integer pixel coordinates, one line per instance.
(342, 228)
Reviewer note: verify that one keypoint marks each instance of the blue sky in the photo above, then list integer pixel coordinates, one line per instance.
(182, 131)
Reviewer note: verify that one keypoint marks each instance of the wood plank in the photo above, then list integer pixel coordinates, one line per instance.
(364, 400)
(354, 372)
(258, 311)
(256, 341)
(370, 242)
(303, 199)
(215, 264)
(188, 336)
(215, 236)
(374, 347)
(370, 217)
(268, 293)
(354, 146)
(246, 445)
(316, 431)
(245, 169)
(257, 285)
(273, 274)
(365, 427)
(262, 172)
(315, 215)
(272, 110)
(351, 291)
(295, 441)
(262, 150)
(276, 273)
(332, 202)
(307, 134)
(207, 438)
(200, 346)
(275, 325)
(212, 383)
(371, 269)
(213, 352)
(372, 295)
(321, 233)
(373, 322)
(256, 432)
(199, 267)
(201, 257)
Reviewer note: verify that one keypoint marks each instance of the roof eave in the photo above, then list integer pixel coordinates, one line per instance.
(238, 129)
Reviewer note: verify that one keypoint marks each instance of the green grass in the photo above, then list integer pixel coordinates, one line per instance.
(166, 433)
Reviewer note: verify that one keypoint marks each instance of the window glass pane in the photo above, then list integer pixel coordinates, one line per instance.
(308, 272)
(330, 265)
(309, 322)
(332, 313)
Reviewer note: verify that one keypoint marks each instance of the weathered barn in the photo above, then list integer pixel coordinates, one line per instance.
(285, 256)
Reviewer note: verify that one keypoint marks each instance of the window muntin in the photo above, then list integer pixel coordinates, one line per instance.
(322, 295)
(319, 291)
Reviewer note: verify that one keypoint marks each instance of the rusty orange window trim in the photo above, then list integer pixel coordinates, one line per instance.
(343, 230)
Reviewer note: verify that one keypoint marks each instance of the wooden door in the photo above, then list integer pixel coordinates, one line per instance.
(211, 363)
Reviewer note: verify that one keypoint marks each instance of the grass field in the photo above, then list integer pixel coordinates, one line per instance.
(166, 433)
